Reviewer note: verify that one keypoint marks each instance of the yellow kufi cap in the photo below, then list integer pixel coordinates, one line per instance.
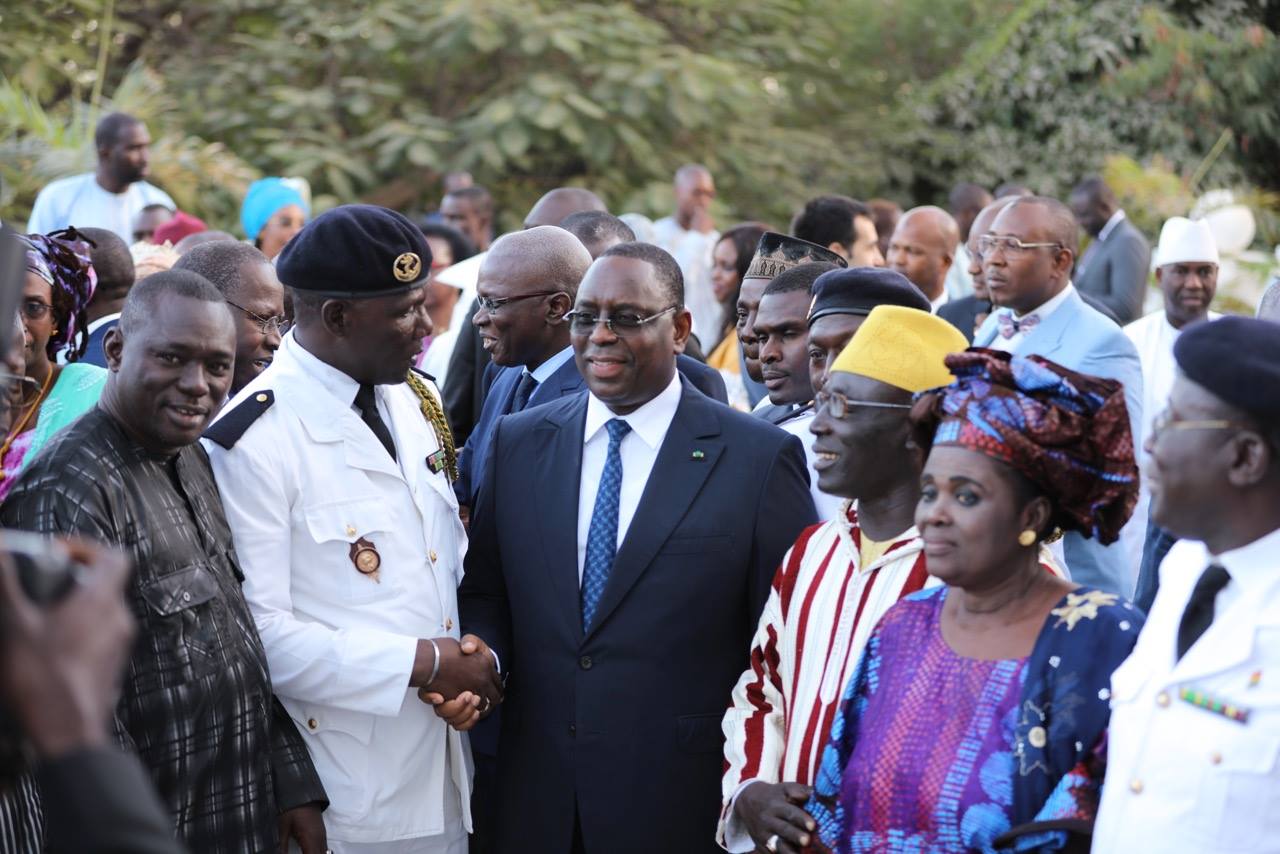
(903, 347)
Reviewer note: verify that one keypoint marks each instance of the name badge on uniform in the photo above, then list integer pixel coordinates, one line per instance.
(365, 558)
(437, 461)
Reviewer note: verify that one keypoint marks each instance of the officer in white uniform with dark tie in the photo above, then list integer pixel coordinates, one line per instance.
(336, 469)
(1194, 746)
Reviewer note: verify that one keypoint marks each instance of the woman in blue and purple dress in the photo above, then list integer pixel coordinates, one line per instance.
(976, 719)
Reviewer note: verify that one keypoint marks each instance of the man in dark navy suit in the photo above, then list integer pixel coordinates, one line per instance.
(622, 546)
(526, 286)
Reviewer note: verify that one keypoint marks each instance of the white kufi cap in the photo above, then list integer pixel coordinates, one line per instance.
(1185, 241)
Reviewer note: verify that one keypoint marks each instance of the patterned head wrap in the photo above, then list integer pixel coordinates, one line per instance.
(61, 258)
(1067, 433)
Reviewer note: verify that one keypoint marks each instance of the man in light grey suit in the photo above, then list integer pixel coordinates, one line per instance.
(1026, 258)
(1115, 267)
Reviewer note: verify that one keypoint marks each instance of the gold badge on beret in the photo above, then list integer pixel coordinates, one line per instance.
(366, 559)
(407, 266)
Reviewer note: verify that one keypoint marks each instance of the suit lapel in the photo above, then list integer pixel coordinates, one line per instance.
(557, 469)
(674, 483)
(1047, 338)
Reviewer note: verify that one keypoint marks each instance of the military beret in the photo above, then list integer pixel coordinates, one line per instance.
(777, 253)
(356, 251)
(857, 290)
(1236, 359)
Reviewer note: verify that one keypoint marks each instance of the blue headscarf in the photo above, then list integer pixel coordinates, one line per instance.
(264, 198)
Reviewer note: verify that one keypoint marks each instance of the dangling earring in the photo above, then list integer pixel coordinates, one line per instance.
(1027, 537)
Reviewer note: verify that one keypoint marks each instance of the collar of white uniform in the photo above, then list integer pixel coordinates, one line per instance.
(331, 379)
(1253, 566)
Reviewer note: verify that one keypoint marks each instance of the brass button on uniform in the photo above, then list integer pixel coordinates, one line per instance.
(351, 531)
(432, 555)
(311, 723)
(1215, 758)
(1037, 736)
(1162, 699)
(1135, 786)
(261, 398)
(448, 622)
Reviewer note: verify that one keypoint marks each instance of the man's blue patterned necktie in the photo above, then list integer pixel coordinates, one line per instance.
(602, 536)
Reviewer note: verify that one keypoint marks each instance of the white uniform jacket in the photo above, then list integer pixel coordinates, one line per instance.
(301, 485)
(1185, 778)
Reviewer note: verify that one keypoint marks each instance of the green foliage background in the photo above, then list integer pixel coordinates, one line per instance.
(781, 98)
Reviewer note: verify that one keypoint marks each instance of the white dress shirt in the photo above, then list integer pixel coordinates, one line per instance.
(639, 451)
(1181, 777)
(543, 372)
(1010, 345)
(81, 201)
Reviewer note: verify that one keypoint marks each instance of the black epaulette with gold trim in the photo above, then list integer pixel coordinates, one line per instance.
(228, 429)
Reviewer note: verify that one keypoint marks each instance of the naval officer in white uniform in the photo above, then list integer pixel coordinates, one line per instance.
(1194, 745)
(336, 474)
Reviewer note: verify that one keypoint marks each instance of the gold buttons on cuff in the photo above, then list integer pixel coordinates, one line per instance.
(1215, 758)
(1162, 699)
(1135, 786)
(312, 724)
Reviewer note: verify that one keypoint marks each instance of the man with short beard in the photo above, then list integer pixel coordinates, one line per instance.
(197, 704)
(1187, 272)
(111, 196)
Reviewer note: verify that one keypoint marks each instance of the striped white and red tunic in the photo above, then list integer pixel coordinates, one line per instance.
(817, 619)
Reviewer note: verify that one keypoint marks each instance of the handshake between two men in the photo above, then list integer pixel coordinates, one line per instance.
(459, 678)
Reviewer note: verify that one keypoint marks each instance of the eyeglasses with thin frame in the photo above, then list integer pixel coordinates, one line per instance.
(34, 309)
(280, 322)
(1165, 422)
(839, 406)
(989, 243)
(493, 306)
(623, 323)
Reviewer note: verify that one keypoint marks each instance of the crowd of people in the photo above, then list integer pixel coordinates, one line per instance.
(892, 531)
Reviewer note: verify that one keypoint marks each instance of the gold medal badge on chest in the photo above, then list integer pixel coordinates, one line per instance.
(365, 558)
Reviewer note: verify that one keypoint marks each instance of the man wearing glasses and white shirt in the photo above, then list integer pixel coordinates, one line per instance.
(1027, 257)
